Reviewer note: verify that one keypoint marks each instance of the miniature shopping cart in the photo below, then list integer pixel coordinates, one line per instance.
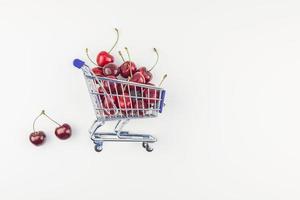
(120, 100)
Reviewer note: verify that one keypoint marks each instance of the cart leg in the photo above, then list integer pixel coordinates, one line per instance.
(98, 143)
(97, 124)
(119, 126)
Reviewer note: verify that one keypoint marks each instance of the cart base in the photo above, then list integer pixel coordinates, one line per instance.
(118, 136)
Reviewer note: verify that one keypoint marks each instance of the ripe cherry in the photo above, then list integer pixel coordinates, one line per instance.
(110, 69)
(98, 71)
(138, 78)
(128, 68)
(108, 104)
(104, 57)
(151, 95)
(37, 138)
(108, 87)
(63, 132)
(124, 101)
(147, 73)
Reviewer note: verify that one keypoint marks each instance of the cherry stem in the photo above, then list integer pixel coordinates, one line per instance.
(157, 58)
(120, 53)
(117, 31)
(127, 51)
(33, 125)
(87, 54)
(43, 112)
(165, 76)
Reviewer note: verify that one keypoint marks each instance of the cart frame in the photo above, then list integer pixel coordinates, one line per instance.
(148, 108)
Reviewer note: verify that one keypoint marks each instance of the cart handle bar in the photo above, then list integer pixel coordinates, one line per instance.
(78, 63)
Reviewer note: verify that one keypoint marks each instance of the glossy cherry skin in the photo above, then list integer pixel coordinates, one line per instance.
(147, 74)
(63, 132)
(108, 105)
(108, 86)
(125, 69)
(37, 138)
(104, 58)
(98, 71)
(124, 102)
(110, 69)
(138, 78)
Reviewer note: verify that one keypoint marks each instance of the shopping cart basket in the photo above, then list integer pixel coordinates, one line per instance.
(120, 100)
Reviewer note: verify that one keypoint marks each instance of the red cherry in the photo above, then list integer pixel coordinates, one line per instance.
(98, 71)
(104, 58)
(63, 132)
(138, 78)
(151, 96)
(124, 102)
(125, 69)
(110, 69)
(108, 105)
(147, 74)
(37, 138)
(109, 86)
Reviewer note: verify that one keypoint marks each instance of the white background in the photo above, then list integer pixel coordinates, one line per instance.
(230, 129)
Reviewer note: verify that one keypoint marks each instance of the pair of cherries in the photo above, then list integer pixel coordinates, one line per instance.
(63, 131)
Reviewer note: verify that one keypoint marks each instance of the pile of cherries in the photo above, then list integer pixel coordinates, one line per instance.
(105, 67)
(63, 131)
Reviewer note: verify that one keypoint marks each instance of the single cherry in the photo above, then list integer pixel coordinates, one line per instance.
(98, 71)
(124, 102)
(108, 104)
(110, 69)
(151, 95)
(109, 86)
(125, 69)
(147, 73)
(63, 132)
(37, 138)
(104, 57)
(128, 68)
(138, 78)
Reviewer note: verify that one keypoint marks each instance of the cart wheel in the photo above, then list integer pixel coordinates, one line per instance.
(148, 148)
(145, 144)
(98, 148)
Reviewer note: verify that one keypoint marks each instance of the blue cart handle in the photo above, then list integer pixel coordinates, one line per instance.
(78, 63)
